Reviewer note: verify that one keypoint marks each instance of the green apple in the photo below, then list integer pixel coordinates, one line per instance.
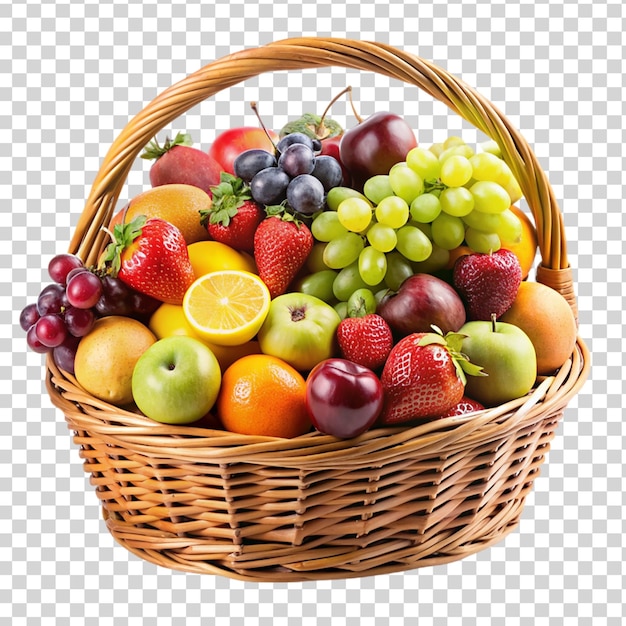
(506, 355)
(299, 329)
(176, 381)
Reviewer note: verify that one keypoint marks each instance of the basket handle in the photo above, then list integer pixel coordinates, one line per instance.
(313, 52)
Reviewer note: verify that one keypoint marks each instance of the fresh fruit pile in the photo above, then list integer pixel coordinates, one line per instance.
(310, 278)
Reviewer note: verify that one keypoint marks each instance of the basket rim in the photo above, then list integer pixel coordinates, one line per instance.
(135, 433)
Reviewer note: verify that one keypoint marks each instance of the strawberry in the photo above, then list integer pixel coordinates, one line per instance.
(151, 257)
(463, 406)
(366, 340)
(487, 283)
(281, 246)
(177, 162)
(234, 216)
(424, 377)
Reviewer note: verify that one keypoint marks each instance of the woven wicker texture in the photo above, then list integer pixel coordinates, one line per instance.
(313, 507)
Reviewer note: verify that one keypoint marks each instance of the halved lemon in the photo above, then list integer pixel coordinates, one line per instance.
(227, 307)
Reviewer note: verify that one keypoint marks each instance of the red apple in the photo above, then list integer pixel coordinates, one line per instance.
(229, 144)
(421, 301)
(343, 398)
(375, 145)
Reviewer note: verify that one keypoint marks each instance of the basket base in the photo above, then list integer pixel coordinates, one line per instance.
(390, 558)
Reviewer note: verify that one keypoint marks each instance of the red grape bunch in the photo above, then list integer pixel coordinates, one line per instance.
(67, 308)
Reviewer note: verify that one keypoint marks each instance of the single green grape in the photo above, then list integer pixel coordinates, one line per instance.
(425, 208)
(326, 226)
(413, 243)
(392, 211)
(486, 222)
(489, 197)
(361, 302)
(343, 251)
(512, 187)
(509, 228)
(382, 237)
(453, 140)
(437, 149)
(448, 231)
(355, 214)
(318, 284)
(480, 241)
(377, 188)
(372, 265)
(456, 170)
(492, 147)
(405, 182)
(347, 281)
(337, 195)
(461, 149)
(457, 201)
(424, 163)
(342, 309)
(315, 260)
(399, 269)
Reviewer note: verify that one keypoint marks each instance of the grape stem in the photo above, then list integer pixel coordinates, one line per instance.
(253, 106)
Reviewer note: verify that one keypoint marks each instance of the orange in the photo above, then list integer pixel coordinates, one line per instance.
(526, 249)
(547, 318)
(169, 319)
(227, 307)
(176, 203)
(264, 396)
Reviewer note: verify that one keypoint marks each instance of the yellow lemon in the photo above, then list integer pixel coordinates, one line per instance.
(228, 307)
(214, 256)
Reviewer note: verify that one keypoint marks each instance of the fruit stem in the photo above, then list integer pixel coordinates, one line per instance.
(347, 90)
(493, 323)
(253, 106)
(359, 119)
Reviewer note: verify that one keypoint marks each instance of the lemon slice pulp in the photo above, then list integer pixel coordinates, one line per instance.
(227, 307)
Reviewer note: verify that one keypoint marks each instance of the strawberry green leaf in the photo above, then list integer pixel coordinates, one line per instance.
(432, 338)
(122, 237)
(153, 150)
(228, 195)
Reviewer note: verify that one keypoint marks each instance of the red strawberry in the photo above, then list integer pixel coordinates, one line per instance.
(234, 216)
(281, 246)
(365, 340)
(424, 377)
(487, 283)
(151, 257)
(463, 406)
(177, 162)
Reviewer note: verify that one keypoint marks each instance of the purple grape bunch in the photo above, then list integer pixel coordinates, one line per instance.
(296, 174)
(66, 309)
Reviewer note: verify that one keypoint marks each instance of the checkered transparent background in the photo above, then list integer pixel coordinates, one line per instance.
(71, 77)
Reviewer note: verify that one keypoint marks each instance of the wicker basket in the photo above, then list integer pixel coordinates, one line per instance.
(314, 507)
